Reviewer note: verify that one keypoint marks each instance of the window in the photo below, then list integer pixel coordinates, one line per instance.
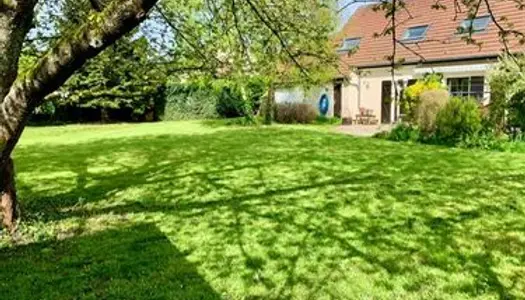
(415, 33)
(467, 87)
(350, 44)
(474, 25)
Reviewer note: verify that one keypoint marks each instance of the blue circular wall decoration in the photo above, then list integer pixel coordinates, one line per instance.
(324, 104)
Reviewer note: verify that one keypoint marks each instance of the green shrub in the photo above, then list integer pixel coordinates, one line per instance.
(257, 89)
(230, 103)
(324, 120)
(431, 102)
(458, 123)
(47, 108)
(411, 97)
(486, 140)
(458, 120)
(190, 101)
(516, 112)
(403, 133)
(239, 97)
(383, 135)
(507, 82)
(497, 109)
(214, 99)
(291, 113)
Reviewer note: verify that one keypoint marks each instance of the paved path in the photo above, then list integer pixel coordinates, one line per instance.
(363, 130)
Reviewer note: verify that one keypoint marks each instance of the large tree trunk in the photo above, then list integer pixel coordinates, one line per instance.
(15, 21)
(22, 96)
(9, 202)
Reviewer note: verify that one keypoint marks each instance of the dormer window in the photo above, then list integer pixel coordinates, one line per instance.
(349, 44)
(414, 34)
(474, 25)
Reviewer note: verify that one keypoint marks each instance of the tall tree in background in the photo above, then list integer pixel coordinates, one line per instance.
(124, 83)
(126, 79)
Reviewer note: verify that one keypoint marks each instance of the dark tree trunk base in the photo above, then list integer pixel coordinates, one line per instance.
(9, 204)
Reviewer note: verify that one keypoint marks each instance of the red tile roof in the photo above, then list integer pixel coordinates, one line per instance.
(441, 43)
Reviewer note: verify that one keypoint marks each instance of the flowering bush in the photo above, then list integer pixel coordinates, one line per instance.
(411, 97)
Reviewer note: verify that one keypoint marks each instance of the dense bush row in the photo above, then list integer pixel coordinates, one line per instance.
(150, 107)
(291, 113)
(194, 100)
(209, 100)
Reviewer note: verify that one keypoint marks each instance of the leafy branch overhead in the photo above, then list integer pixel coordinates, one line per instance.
(220, 39)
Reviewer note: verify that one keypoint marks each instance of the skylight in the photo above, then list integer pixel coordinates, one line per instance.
(416, 33)
(350, 44)
(474, 25)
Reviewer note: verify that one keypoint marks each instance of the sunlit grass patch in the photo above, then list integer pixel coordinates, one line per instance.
(190, 211)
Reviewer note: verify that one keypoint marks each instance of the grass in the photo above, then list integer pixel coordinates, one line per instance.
(188, 211)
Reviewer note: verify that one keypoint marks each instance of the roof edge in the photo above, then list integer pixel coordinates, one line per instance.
(439, 60)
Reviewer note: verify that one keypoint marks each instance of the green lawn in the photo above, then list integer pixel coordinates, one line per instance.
(188, 211)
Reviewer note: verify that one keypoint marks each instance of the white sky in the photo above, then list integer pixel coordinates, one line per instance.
(347, 13)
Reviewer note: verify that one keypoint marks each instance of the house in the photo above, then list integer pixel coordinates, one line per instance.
(430, 41)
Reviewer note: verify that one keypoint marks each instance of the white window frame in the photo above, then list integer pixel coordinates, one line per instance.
(406, 35)
(469, 92)
(464, 27)
(345, 48)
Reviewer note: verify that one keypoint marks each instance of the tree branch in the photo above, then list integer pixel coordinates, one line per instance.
(502, 31)
(278, 35)
(354, 2)
(183, 36)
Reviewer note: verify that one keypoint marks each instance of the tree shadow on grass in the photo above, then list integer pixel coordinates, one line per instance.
(290, 214)
(136, 262)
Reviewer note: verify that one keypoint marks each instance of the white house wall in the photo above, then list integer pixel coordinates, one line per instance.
(366, 90)
(350, 97)
(486, 98)
(289, 95)
(371, 87)
(310, 96)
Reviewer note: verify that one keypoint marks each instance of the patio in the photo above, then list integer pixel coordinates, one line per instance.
(364, 130)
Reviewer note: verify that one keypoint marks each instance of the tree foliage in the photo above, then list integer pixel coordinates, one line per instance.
(230, 38)
(507, 84)
(124, 77)
(411, 99)
(227, 41)
(209, 98)
(459, 119)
